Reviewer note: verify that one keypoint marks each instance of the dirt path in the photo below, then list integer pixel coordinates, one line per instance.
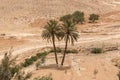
(80, 40)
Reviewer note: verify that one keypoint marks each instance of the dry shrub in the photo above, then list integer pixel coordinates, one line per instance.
(116, 61)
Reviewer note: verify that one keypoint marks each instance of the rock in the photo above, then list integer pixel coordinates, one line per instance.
(2, 34)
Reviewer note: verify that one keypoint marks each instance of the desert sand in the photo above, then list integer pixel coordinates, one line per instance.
(22, 21)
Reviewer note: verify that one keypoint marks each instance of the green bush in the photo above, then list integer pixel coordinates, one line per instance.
(58, 50)
(27, 62)
(39, 55)
(96, 50)
(44, 78)
(72, 51)
(33, 58)
(93, 17)
(66, 18)
(78, 17)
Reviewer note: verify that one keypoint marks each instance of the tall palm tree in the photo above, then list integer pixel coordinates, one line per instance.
(70, 34)
(50, 32)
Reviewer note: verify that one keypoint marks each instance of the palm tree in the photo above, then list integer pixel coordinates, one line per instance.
(50, 32)
(70, 34)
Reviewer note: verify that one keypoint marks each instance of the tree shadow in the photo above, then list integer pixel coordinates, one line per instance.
(55, 67)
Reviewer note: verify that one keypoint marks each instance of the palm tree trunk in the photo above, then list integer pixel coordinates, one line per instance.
(56, 59)
(64, 51)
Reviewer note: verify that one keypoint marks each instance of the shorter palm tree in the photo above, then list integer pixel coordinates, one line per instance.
(50, 32)
(70, 33)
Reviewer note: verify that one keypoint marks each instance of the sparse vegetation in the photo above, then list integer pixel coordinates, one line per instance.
(22, 76)
(44, 78)
(11, 71)
(66, 18)
(96, 50)
(60, 50)
(78, 17)
(38, 64)
(32, 59)
(93, 18)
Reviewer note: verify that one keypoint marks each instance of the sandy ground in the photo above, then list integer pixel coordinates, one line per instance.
(78, 67)
(23, 33)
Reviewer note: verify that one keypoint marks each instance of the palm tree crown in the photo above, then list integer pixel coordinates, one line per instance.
(51, 29)
(69, 30)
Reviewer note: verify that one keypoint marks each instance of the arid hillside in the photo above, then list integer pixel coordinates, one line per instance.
(23, 12)
(48, 8)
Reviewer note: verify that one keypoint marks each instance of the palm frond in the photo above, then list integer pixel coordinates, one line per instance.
(70, 30)
(51, 29)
